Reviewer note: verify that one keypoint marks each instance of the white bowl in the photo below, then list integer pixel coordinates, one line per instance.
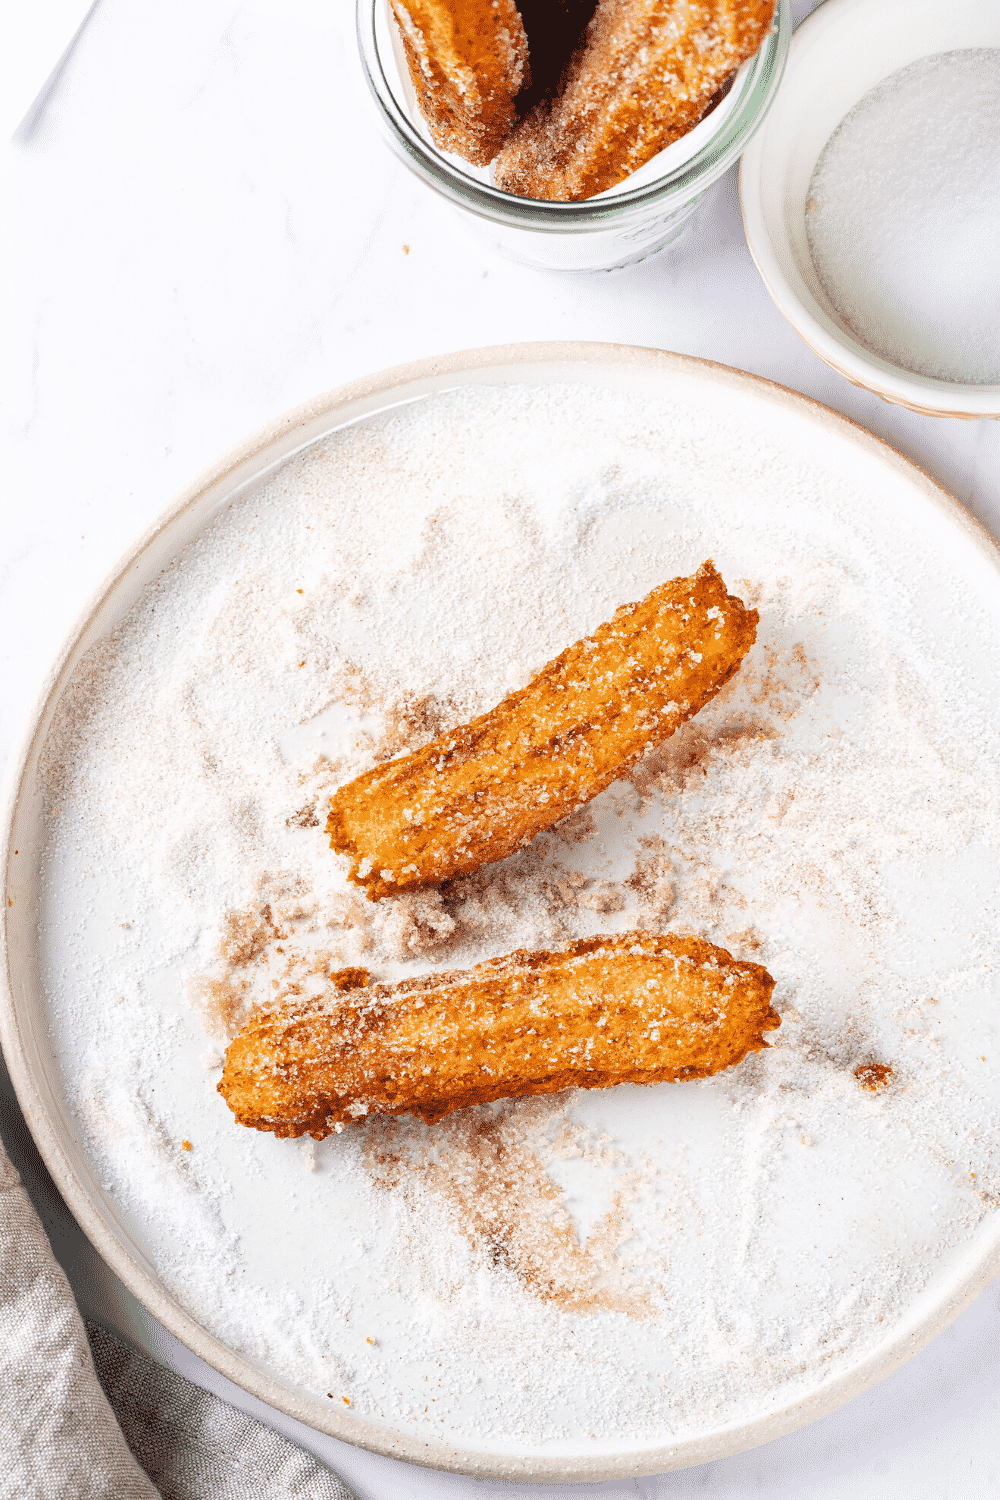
(843, 50)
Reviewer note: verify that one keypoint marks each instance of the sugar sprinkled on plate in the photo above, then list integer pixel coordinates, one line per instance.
(903, 217)
(632, 1263)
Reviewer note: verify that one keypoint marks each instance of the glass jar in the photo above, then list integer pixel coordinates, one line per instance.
(616, 228)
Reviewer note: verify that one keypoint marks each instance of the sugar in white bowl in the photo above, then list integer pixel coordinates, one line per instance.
(903, 217)
(898, 239)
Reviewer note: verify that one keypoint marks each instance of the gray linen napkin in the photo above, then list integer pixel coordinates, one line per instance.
(196, 1447)
(58, 1434)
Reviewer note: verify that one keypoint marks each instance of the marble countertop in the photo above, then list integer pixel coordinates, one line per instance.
(203, 229)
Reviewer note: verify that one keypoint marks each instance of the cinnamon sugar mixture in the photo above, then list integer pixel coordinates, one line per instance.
(590, 1269)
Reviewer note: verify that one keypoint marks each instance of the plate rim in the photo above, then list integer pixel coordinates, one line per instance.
(242, 462)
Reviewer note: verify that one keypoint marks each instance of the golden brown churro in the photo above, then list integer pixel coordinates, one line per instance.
(643, 76)
(632, 1008)
(479, 792)
(467, 59)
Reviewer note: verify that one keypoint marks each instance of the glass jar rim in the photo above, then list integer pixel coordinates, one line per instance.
(678, 185)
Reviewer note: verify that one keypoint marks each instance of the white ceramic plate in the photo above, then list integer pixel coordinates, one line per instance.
(840, 52)
(912, 517)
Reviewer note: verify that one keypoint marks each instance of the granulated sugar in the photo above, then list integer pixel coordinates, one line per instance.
(903, 217)
(611, 1268)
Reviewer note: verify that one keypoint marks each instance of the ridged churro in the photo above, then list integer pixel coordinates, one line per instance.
(478, 792)
(632, 1008)
(468, 59)
(644, 75)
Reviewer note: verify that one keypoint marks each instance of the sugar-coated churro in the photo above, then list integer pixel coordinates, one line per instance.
(631, 1008)
(468, 59)
(478, 792)
(644, 74)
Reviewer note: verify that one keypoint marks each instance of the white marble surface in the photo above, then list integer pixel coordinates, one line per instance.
(202, 229)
